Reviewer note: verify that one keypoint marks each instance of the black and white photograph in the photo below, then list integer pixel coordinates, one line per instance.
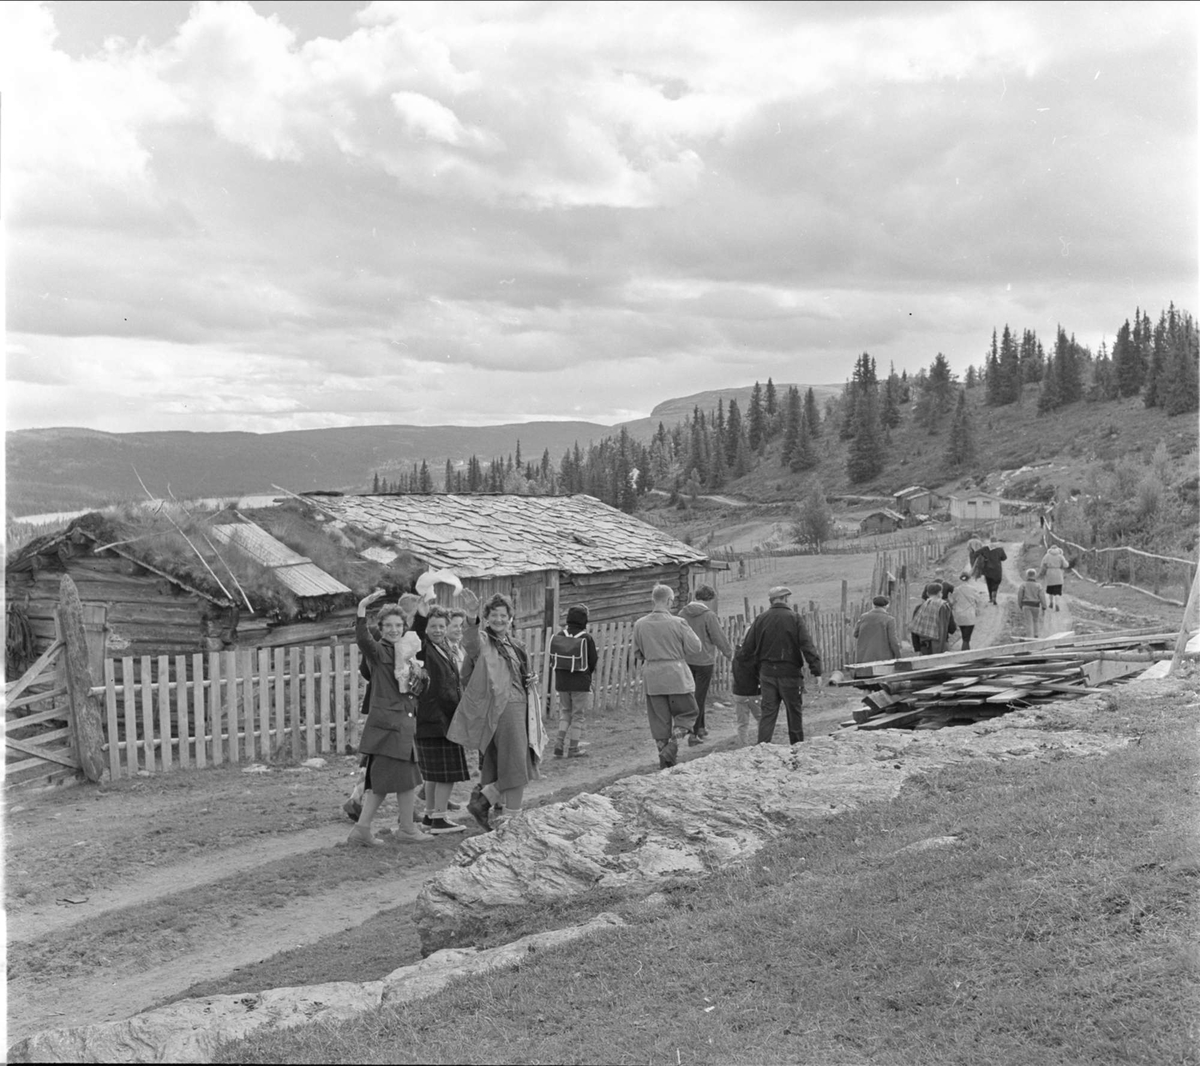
(601, 531)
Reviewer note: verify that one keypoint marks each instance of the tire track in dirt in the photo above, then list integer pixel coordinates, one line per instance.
(35, 1005)
(37, 921)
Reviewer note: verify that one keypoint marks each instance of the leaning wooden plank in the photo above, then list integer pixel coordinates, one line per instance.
(29, 749)
(911, 664)
(1007, 695)
(15, 688)
(1073, 689)
(886, 720)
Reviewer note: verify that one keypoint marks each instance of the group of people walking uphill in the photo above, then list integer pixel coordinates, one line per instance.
(442, 683)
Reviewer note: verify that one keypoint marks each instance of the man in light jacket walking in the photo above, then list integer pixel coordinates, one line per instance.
(700, 615)
(663, 642)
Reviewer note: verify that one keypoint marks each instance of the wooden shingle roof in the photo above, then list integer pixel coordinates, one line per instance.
(496, 535)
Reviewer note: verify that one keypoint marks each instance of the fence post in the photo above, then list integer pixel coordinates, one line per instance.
(86, 725)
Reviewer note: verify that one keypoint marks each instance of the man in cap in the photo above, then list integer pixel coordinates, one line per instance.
(876, 634)
(663, 642)
(778, 644)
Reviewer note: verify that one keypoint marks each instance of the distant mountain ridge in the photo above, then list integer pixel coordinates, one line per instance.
(63, 469)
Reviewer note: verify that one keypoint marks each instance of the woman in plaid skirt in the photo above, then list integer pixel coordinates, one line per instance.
(442, 762)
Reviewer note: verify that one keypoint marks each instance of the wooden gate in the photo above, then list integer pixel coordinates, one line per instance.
(52, 728)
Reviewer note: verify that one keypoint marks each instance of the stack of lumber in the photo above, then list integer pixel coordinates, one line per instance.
(931, 691)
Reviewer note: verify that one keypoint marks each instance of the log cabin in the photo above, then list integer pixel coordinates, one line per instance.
(545, 552)
(228, 584)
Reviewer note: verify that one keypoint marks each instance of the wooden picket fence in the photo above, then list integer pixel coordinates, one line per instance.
(164, 713)
(1165, 577)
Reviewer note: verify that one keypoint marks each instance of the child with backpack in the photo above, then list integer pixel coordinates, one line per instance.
(1031, 602)
(573, 660)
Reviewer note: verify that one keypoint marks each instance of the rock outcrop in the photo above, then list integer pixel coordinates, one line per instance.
(641, 833)
(193, 1029)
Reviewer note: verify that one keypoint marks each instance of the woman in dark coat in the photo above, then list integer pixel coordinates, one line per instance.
(390, 731)
(442, 762)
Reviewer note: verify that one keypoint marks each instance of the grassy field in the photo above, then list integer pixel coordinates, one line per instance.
(1059, 928)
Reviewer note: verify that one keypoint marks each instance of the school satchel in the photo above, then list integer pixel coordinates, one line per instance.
(569, 652)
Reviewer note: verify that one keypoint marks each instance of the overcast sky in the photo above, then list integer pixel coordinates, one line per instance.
(279, 216)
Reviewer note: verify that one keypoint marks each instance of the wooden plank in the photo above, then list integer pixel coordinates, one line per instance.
(215, 714)
(183, 727)
(325, 736)
(49, 755)
(294, 700)
(229, 671)
(352, 669)
(311, 710)
(886, 720)
(264, 704)
(44, 663)
(50, 739)
(164, 711)
(339, 693)
(246, 665)
(278, 680)
(129, 715)
(149, 762)
(29, 700)
(59, 713)
(198, 716)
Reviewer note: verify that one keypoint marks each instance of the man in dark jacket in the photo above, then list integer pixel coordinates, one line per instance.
(990, 563)
(778, 643)
(699, 614)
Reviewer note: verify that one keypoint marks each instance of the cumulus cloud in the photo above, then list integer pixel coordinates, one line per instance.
(512, 206)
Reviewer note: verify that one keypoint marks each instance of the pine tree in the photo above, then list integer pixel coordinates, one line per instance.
(891, 399)
(1154, 387)
(448, 477)
(960, 446)
(992, 378)
(1183, 392)
(1010, 368)
(733, 435)
(1049, 398)
(804, 455)
(375, 483)
(1104, 378)
(866, 459)
(812, 417)
(849, 424)
(936, 394)
(771, 408)
(756, 427)
(425, 480)
(1067, 364)
(1127, 365)
(971, 379)
(791, 425)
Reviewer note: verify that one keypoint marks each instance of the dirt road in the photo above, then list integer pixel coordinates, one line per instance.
(121, 897)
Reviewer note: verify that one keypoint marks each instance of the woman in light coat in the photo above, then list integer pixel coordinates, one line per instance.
(1054, 563)
(498, 714)
(965, 602)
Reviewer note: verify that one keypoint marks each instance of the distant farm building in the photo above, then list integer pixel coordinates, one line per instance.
(884, 521)
(974, 507)
(916, 500)
(545, 552)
